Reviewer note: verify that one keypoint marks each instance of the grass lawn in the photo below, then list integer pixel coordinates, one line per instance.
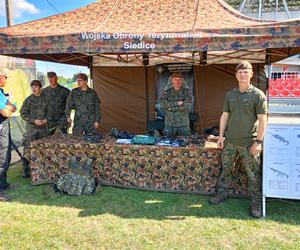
(129, 219)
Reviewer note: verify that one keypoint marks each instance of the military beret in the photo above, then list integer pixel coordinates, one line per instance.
(243, 65)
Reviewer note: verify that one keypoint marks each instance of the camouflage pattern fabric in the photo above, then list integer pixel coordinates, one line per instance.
(56, 101)
(177, 116)
(73, 184)
(87, 110)
(193, 169)
(250, 163)
(79, 180)
(184, 130)
(33, 108)
(214, 31)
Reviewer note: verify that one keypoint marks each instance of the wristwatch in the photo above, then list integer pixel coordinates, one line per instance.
(258, 141)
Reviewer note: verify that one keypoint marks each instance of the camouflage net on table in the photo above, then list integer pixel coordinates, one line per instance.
(193, 168)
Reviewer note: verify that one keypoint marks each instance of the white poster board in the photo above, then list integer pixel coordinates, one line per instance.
(281, 165)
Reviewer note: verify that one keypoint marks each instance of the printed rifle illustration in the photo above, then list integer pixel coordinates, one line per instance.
(279, 173)
(298, 172)
(280, 139)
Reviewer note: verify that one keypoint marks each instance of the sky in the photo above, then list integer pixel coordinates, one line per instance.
(28, 10)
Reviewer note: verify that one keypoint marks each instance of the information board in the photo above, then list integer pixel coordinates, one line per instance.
(281, 165)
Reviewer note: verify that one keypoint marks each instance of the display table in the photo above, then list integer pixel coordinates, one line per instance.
(192, 168)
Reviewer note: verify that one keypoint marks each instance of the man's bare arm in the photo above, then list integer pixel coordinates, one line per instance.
(223, 125)
(7, 112)
(262, 125)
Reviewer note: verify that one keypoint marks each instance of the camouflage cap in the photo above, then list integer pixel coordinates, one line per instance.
(82, 76)
(2, 73)
(51, 74)
(243, 65)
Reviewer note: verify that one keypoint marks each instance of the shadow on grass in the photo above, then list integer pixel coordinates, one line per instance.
(128, 203)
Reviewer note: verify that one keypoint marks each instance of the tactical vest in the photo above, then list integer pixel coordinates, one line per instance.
(79, 180)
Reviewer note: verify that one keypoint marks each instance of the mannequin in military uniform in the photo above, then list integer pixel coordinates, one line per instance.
(176, 103)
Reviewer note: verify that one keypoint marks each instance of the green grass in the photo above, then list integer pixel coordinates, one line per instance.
(129, 219)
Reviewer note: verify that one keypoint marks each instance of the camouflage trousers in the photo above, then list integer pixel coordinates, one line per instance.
(31, 135)
(249, 162)
(181, 131)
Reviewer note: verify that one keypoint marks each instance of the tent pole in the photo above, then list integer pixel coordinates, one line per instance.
(259, 9)
(197, 102)
(269, 62)
(146, 63)
(276, 10)
(286, 9)
(90, 58)
(242, 5)
(9, 13)
(203, 58)
(258, 75)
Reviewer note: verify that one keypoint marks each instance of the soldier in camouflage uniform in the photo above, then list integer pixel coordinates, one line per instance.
(56, 96)
(86, 103)
(33, 111)
(176, 103)
(243, 107)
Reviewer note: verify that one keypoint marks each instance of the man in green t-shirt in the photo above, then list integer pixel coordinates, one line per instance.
(245, 119)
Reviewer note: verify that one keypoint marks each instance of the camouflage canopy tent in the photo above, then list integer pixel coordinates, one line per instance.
(140, 34)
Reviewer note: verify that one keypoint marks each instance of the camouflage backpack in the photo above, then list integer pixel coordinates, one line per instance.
(79, 180)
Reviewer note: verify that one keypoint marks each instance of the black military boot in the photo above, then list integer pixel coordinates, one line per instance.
(26, 168)
(256, 208)
(219, 198)
(4, 185)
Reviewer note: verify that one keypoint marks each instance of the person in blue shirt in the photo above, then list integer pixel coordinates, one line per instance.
(6, 110)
